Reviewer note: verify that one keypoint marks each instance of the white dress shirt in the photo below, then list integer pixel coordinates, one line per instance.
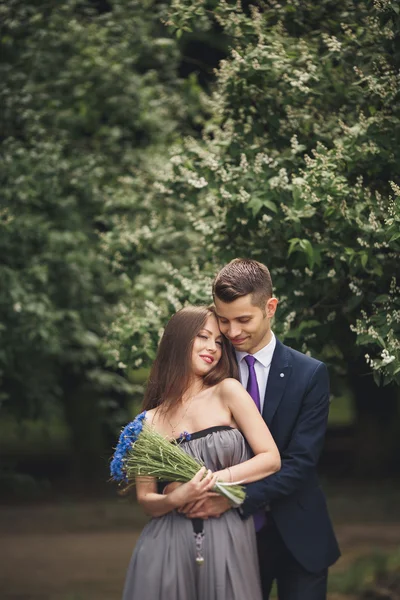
(262, 365)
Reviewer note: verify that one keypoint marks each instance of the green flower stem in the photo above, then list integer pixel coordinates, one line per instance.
(153, 455)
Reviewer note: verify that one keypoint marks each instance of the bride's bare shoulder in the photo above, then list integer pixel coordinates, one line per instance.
(150, 414)
(229, 386)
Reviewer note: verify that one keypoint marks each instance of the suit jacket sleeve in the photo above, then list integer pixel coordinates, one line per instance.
(300, 457)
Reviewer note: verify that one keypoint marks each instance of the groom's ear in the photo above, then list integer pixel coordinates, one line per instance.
(270, 307)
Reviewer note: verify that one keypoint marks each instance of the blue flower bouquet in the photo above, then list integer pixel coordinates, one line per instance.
(142, 452)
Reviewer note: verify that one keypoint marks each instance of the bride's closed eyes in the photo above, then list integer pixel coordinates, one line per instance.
(206, 337)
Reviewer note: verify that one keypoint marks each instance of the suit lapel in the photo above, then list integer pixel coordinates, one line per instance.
(277, 380)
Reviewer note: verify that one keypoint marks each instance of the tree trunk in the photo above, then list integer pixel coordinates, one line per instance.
(85, 420)
(377, 431)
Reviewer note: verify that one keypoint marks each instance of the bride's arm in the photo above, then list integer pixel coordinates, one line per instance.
(266, 458)
(157, 505)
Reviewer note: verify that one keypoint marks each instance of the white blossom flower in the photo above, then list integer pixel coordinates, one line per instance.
(332, 42)
(387, 358)
(177, 159)
(355, 289)
(266, 218)
(198, 183)
(244, 165)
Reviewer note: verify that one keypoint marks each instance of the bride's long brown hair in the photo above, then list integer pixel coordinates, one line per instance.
(172, 369)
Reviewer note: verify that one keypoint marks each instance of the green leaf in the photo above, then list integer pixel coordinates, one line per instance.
(364, 259)
(308, 324)
(377, 378)
(269, 204)
(292, 245)
(377, 270)
(255, 204)
(296, 193)
(394, 237)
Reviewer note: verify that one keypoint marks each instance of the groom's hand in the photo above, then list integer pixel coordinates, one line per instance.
(212, 506)
(194, 507)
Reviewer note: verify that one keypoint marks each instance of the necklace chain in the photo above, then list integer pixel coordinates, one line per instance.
(189, 402)
(174, 427)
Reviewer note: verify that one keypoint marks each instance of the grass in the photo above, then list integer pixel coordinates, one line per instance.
(361, 576)
(364, 572)
(80, 550)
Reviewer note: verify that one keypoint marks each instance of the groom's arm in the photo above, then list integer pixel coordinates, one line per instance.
(298, 460)
(301, 456)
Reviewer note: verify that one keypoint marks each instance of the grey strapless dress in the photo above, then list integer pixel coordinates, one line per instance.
(163, 564)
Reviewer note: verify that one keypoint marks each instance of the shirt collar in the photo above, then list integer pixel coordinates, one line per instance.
(264, 356)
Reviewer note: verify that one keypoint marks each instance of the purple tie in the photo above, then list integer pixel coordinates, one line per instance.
(252, 389)
(252, 384)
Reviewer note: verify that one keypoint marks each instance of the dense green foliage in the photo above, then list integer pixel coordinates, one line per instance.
(297, 167)
(125, 188)
(91, 98)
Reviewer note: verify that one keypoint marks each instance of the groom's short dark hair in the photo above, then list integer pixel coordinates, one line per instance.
(241, 277)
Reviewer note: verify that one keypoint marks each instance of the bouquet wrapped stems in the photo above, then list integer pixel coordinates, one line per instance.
(142, 452)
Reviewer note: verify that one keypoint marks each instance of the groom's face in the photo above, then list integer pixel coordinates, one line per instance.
(248, 327)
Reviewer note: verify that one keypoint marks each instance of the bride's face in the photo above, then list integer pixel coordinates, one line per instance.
(207, 348)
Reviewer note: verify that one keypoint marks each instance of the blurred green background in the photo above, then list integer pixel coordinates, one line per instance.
(144, 144)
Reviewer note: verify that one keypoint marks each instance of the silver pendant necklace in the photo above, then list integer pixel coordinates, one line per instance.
(174, 427)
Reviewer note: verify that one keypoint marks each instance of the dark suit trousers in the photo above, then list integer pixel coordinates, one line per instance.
(277, 563)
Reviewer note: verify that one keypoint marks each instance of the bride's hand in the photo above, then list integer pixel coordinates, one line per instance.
(224, 476)
(195, 489)
(197, 504)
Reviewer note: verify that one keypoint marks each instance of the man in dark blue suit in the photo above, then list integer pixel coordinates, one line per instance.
(296, 542)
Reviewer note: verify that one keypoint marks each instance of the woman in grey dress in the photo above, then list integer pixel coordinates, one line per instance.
(191, 389)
